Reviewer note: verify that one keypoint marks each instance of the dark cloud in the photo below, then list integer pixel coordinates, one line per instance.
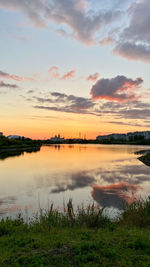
(135, 113)
(133, 51)
(8, 85)
(31, 92)
(117, 110)
(134, 42)
(84, 22)
(66, 103)
(59, 95)
(118, 89)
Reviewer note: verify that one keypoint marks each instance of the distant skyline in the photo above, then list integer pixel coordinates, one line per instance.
(70, 66)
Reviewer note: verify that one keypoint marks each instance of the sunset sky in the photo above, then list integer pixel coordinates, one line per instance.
(70, 66)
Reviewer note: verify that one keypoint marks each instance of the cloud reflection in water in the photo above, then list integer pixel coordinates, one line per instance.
(115, 195)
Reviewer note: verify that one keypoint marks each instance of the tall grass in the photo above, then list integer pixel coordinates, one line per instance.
(91, 216)
(136, 214)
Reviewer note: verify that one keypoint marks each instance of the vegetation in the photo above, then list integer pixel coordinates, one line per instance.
(82, 238)
(22, 143)
(145, 159)
(17, 152)
(106, 141)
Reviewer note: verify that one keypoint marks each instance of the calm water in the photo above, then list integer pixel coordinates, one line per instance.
(106, 174)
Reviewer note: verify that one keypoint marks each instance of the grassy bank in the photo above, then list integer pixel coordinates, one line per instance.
(145, 159)
(11, 148)
(84, 238)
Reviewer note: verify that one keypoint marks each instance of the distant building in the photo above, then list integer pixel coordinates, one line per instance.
(132, 136)
(57, 138)
(145, 135)
(112, 137)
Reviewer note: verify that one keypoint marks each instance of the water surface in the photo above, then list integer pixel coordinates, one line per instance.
(106, 174)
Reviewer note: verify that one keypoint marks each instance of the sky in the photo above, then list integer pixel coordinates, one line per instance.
(74, 66)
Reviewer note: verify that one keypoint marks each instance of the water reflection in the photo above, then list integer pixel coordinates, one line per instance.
(8, 154)
(109, 175)
(115, 195)
(77, 180)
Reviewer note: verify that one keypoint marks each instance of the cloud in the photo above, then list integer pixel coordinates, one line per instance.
(126, 123)
(107, 41)
(134, 41)
(107, 108)
(135, 113)
(111, 23)
(117, 99)
(133, 51)
(84, 22)
(93, 77)
(120, 89)
(31, 91)
(58, 95)
(66, 103)
(5, 75)
(115, 195)
(68, 75)
(8, 85)
(32, 9)
(54, 72)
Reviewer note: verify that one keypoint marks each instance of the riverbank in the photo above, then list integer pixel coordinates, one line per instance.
(10, 148)
(86, 238)
(145, 158)
(103, 142)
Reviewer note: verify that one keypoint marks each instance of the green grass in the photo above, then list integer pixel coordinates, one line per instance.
(145, 159)
(82, 238)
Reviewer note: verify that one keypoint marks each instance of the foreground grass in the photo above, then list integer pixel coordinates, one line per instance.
(86, 238)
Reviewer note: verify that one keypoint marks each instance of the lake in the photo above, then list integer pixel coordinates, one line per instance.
(105, 174)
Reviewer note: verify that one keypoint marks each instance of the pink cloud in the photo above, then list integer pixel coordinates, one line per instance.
(69, 75)
(106, 41)
(93, 77)
(54, 72)
(5, 75)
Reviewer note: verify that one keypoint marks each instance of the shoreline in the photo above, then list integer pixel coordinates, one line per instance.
(144, 159)
(95, 143)
(17, 149)
(84, 239)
